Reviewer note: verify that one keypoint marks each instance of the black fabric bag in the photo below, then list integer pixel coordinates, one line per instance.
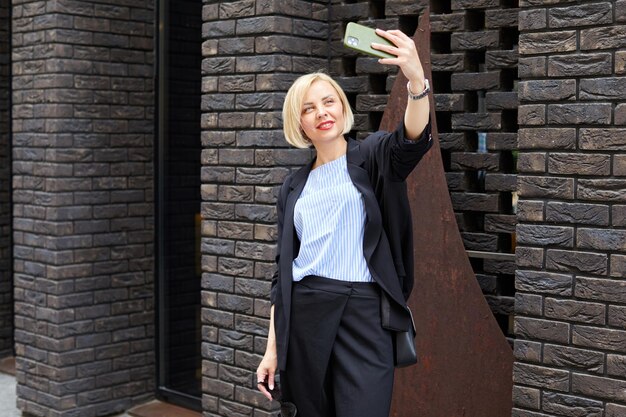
(404, 353)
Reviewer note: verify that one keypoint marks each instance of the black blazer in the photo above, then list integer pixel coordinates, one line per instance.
(378, 167)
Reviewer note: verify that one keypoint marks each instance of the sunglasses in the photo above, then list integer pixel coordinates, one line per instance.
(287, 409)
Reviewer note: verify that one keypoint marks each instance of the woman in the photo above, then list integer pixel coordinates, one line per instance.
(344, 248)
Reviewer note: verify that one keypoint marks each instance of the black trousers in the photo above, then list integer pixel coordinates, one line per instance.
(340, 359)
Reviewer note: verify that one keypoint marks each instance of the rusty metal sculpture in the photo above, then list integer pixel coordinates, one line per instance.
(465, 363)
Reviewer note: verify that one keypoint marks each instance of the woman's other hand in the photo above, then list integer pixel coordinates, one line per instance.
(266, 372)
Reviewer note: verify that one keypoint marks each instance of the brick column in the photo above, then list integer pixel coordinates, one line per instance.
(252, 52)
(83, 222)
(571, 256)
(6, 299)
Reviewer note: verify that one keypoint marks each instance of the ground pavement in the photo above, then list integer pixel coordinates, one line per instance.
(7, 397)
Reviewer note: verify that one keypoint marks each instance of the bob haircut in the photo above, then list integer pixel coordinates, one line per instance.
(292, 108)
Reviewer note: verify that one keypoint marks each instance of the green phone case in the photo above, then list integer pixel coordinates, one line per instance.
(360, 38)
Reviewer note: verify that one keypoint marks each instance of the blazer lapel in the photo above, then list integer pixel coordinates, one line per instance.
(360, 179)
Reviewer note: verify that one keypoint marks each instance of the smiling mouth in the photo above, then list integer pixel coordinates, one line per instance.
(325, 125)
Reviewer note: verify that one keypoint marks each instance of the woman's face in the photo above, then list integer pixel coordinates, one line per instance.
(321, 114)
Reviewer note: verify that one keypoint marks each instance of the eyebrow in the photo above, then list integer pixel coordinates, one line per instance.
(324, 98)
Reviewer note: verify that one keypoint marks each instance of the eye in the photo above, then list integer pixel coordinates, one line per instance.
(307, 109)
(330, 101)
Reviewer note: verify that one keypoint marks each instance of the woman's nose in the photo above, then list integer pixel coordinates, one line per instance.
(321, 112)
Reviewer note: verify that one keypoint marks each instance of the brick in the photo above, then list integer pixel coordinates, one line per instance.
(543, 282)
(580, 113)
(576, 164)
(580, 15)
(614, 410)
(281, 44)
(476, 121)
(603, 38)
(600, 387)
(604, 190)
(463, 161)
(619, 215)
(497, 100)
(551, 187)
(577, 213)
(620, 62)
(531, 163)
(532, 67)
(573, 358)
(600, 289)
(580, 65)
(547, 42)
(530, 210)
(603, 88)
(618, 265)
(620, 114)
(500, 182)
(263, 25)
(449, 22)
(547, 138)
(532, 19)
(601, 239)
(571, 405)
(620, 11)
(580, 262)
(532, 114)
(258, 251)
(495, 60)
(473, 4)
(528, 304)
(501, 18)
(602, 139)
(235, 267)
(545, 235)
(480, 241)
(450, 102)
(236, 9)
(617, 317)
(577, 311)
(500, 223)
(475, 81)
(616, 365)
(526, 397)
(474, 201)
(463, 41)
(525, 350)
(541, 377)
(530, 328)
(528, 257)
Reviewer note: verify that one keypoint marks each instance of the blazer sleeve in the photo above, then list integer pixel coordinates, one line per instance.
(280, 210)
(395, 155)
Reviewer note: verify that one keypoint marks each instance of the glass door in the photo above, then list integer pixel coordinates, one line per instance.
(178, 202)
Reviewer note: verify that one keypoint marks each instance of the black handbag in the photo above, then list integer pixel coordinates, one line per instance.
(404, 353)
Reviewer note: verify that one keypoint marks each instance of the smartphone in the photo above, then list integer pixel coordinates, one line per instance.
(360, 38)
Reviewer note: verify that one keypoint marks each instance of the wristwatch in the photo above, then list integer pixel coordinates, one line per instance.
(420, 95)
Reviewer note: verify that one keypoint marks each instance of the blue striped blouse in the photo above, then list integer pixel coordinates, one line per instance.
(329, 217)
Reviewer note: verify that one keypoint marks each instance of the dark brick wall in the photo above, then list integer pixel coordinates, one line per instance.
(252, 51)
(83, 213)
(570, 307)
(6, 299)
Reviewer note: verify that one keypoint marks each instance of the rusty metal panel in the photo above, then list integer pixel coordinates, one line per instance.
(465, 363)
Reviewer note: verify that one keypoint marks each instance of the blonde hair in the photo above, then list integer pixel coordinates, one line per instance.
(292, 108)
